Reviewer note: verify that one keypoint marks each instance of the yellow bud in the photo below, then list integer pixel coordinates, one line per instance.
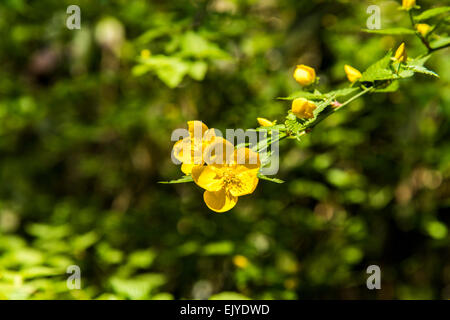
(304, 75)
(303, 108)
(423, 28)
(400, 54)
(263, 122)
(408, 4)
(352, 73)
(240, 261)
(145, 53)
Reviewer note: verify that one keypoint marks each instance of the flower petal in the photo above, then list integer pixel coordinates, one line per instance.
(246, 183)
(182, 150)
(197, 129)
(218, 151)
(207, 178)
(245, 159)
(186, 168)
(219, 201)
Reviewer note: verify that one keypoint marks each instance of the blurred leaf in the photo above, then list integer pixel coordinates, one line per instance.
(427, 14)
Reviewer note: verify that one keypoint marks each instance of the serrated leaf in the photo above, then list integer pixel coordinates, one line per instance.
(391, 31)
(422, 69)
(263, 177)
(181, 180)
(380, 70)
(431, 13)
(340, 92)
(403, 74)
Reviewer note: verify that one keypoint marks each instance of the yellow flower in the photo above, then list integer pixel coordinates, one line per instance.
(227, 178)
(408, 4)
(189, 150)
(303, 108)
(400, 54)
(304, 75)
(240, 261)
(264, 122)
(423, 28)
(352, 73)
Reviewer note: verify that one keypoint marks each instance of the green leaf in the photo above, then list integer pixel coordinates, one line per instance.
(341, 92)
(218, 248)
(263, 177)
(391, 31)
(197, 70)
(293, 125)
(380, 70)
(422, 69)
(169, 70)
(139, 287)
(183, 179)
(196, 46)
(431, 13)
(440, 42)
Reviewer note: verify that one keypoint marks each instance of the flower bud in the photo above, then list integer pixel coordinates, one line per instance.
(400, 54)
(304, 75)
(352, 73)
(303, 108)
(408, 4)
(263, 122)
(423, 28)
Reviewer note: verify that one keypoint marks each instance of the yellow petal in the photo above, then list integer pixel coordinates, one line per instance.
(186, 168)
(400, 53)
(197, 129)
(303, 108)
(264, 122)
(207, 178)
(246, 183)
(245, 159)
(423, 28)
(352, 73)
(304, 75)
(218, 151)
(219, 201)
(182, 150)
(408, 4)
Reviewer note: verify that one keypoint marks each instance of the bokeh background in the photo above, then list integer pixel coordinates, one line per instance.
(86, 117)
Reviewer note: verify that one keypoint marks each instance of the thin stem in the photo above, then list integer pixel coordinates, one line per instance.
(440, 47)
(418, 34)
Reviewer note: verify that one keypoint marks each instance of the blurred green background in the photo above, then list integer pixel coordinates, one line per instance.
(85, 133)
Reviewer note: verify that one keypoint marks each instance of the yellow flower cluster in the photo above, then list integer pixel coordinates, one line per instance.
(224, 172)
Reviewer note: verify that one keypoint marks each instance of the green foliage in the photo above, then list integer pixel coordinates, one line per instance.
(430, 13)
